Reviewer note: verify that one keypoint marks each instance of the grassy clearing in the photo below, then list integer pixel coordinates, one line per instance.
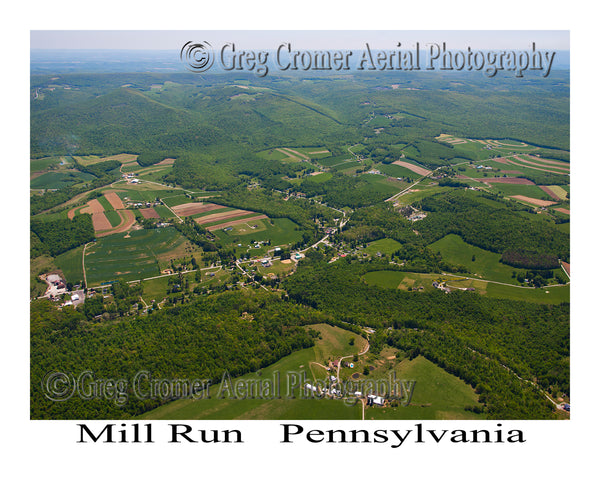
(174, 200)
(532, 191)
(397, 171)
(272, 154)
(347, 165)
(486, 264)
(385, 245)
(414, 281)
(321, 177)
(437, 395)
(41, 164)
(538, 295)
(278, 268)
(420, 192)
(403, 280)
(387, 186)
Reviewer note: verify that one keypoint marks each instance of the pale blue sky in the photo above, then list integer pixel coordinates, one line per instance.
(318, 39)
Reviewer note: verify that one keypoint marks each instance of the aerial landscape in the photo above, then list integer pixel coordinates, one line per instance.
(374, 245)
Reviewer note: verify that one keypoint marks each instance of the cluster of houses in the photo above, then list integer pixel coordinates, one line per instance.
(441, 286)
(142, 204)
(130, 178)
(372, 400)
(56, 285)
(57, 290)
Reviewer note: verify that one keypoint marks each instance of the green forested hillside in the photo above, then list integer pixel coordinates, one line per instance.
(377, 202)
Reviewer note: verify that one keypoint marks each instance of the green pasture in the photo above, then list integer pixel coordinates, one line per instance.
(56, 180)
(281, 231)
(385, 245)
(116, 257)
(486, 264)
(437, 395)
(397, 171)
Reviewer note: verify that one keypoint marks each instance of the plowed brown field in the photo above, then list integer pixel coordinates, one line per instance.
(216, 217)
(187, 209)
(114, 200)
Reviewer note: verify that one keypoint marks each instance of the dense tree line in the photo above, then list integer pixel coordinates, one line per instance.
(377, 222)
(61, 235)
(196, 234)
(488, 225)
(232, 332)
(529, 259)
(98, 169)
(145, 159)
(301, 211)
(502, 394)
(343, 191)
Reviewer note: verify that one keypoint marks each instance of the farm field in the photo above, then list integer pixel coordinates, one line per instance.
(437, 395)
(347, 167)
(387, 186)
(193, 209)
(41, 164)
(130, 257)
(509, 190)
(215, 219)
(419, 170)
(397, 171)
(556, 191)
(70, 264)
(321, 177)
(410, 280)
(280, 231)
(486, 265)
(403, 280)
(173, 200)
(335, 160)
(552, 295)
(56, 180)
(419, 192)
(532, 201)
